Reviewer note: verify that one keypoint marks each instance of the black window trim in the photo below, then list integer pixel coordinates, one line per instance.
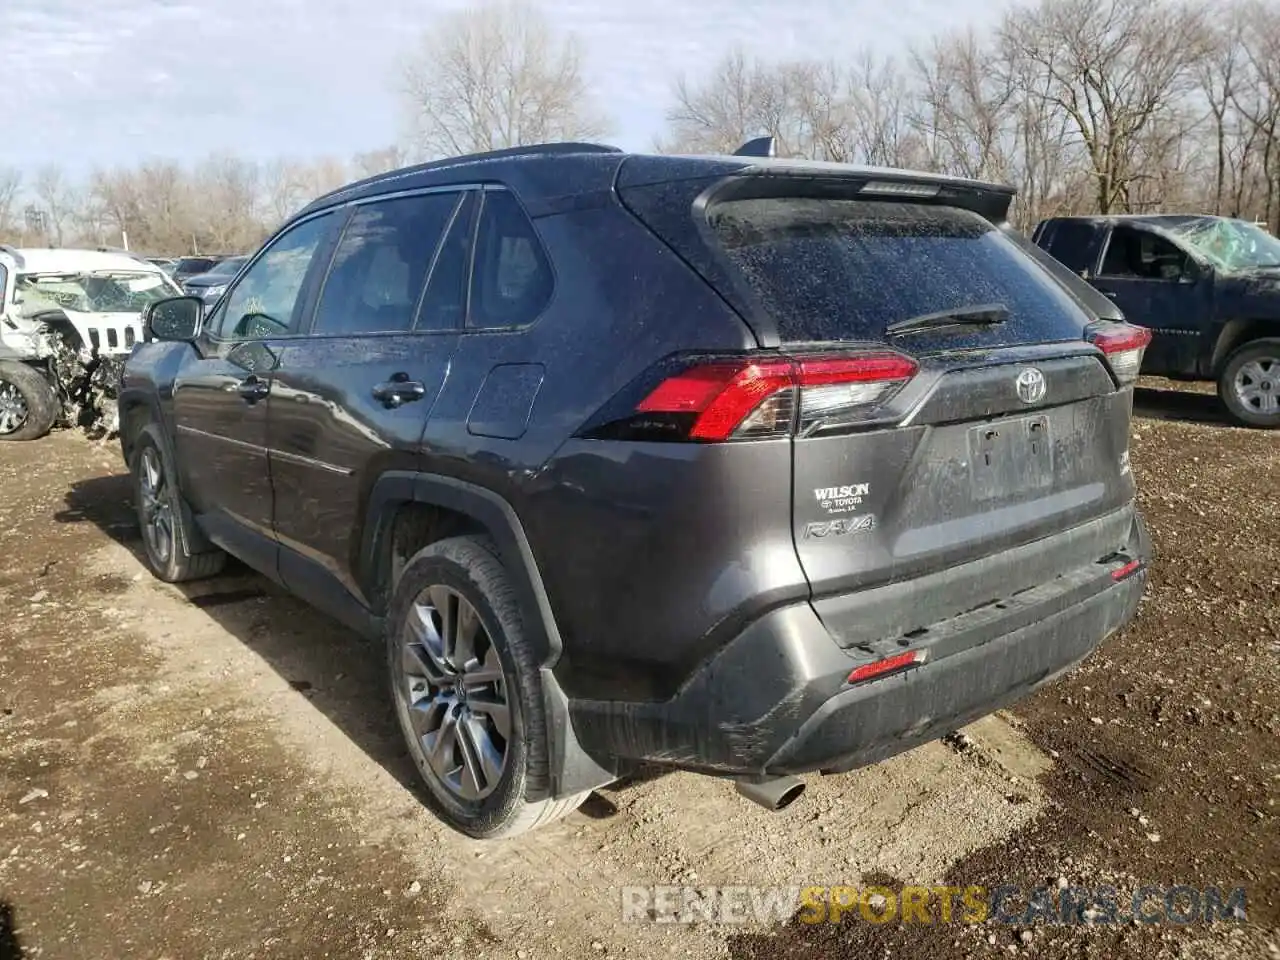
(307, 327)
(1106, 248)
(468, 327)
(300, 319)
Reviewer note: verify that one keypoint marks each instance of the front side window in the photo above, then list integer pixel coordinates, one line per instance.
(264, 302)
(511, 279)
(381, 265)
(1134, 254)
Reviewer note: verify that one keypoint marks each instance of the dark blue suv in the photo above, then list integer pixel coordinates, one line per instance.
(739, 465)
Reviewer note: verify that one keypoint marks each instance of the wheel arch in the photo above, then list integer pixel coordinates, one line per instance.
(1235, 334)
(136, 411)
(463, 507)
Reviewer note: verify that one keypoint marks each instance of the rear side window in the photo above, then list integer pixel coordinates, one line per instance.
(842, 270)
(1071, 243)
(380, 267)
(511, 279)
(444, 305)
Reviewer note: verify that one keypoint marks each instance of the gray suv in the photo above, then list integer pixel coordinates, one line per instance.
(739, 465)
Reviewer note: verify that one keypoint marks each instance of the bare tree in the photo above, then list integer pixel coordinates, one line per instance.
(738, 101)
(496, 75)
(1114, 67)
(816, 110)
(964, 110)
(10, 185)
(1258, 100)
(59, 200)
(1218, 73)
(373, 162)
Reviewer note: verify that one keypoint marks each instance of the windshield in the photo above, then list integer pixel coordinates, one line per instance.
(1230, 245)
(227, 268)
(113, 292)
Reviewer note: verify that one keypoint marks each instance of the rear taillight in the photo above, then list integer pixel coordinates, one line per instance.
(748, 398)
(1123, 345)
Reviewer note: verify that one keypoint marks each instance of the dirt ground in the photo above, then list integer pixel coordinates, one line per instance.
(213, 772)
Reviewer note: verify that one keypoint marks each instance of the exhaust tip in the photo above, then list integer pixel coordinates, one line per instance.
(775, 794)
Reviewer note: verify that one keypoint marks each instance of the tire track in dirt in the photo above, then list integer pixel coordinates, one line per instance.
(275, 672)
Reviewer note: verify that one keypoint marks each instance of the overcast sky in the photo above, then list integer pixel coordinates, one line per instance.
(99, 82)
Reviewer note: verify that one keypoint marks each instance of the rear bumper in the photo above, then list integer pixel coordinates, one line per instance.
(775, 700)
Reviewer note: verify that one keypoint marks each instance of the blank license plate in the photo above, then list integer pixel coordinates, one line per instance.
(1010, 457)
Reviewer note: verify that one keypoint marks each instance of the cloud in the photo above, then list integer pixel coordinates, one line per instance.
(114, 82)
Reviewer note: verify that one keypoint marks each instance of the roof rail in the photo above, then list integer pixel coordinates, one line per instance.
(13, 252)
(568, 147)
(521, 151)
(759, 147)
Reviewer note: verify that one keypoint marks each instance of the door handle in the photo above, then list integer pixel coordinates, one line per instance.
(399, 390)
(1109, 293)
(252, 389)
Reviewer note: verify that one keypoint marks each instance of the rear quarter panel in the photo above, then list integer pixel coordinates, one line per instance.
(599, 515)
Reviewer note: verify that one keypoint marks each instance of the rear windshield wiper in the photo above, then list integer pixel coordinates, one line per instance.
(980, 315)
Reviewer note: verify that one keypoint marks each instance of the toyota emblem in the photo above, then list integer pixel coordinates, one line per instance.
(1031, 385)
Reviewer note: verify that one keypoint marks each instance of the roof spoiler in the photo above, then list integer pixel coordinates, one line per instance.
(759, 147)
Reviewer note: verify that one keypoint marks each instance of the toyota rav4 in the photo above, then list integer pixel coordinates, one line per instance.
(739, 465)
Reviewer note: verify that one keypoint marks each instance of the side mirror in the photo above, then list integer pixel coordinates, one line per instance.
(177, 318)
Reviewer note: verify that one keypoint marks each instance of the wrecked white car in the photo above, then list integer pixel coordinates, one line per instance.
(68, 319)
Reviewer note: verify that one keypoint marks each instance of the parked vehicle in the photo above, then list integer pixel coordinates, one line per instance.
(188, 267)
(210, 286)
(67, 318)
(740, 465)
(1207, 287)
(167, 264)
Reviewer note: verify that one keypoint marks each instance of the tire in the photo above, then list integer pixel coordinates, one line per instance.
(28, 405)
(497, 669)
(1249, 385)
(163, 516)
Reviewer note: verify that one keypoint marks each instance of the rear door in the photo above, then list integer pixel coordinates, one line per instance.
(974, 439)
(351, 398)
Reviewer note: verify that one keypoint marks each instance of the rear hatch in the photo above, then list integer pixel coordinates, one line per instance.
(950, 402)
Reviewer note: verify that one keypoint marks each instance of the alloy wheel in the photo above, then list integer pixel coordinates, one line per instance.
(13, 408)
(157, 510)
(1257, 385)
(452, 692)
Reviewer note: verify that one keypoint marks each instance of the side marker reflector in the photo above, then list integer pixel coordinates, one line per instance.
(888, 665)
(1127, 570)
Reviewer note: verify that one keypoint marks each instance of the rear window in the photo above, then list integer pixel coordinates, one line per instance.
(842, 270)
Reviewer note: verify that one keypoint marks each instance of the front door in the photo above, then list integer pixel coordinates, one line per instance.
(350, 399)
(220, 394)
(1158, 285)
